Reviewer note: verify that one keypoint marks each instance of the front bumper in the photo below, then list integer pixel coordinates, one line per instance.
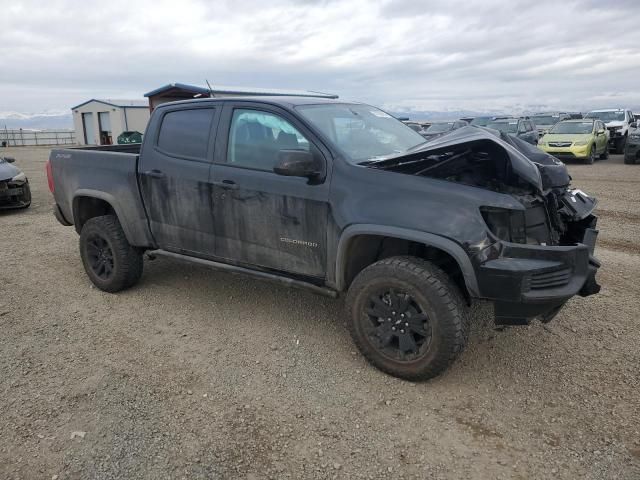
(14, 195)
(573, 152)
(529, 281)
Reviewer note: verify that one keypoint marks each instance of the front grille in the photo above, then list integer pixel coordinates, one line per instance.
(552, 279)
(560, 144)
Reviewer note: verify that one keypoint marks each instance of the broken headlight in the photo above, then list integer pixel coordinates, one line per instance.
(20, 178)
(506, 224)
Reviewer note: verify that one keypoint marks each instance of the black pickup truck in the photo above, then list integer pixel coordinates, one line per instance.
(339, 197)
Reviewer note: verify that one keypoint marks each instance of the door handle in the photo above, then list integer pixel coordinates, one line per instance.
(228, 184)
(154, 173)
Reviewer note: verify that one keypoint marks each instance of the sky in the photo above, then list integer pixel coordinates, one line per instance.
(402, 55)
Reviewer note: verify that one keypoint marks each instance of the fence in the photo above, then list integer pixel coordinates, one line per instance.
(24, 138)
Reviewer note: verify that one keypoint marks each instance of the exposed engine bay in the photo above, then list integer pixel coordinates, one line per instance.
(553, 214)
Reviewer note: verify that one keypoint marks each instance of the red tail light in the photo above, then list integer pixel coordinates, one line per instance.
(50, 176)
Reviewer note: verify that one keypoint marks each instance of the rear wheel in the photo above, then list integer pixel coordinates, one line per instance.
(407, 317)
(605, 154)
(111, 263)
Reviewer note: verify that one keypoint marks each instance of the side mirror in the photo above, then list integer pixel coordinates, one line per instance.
(601, 131)
(9, 159)
(297, 163)
(633, 124)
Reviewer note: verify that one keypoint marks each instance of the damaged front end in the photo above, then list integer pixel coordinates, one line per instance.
(537, 255)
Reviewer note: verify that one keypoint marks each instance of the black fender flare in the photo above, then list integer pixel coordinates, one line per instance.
(437, 241)
(104, 196)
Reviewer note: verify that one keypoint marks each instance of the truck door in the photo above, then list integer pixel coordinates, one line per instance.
(262, 218)
(174, 178)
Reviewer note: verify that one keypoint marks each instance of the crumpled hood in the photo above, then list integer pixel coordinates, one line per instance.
(533, 166)
(7, 170)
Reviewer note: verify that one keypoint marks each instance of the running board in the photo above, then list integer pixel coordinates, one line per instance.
(289, 282)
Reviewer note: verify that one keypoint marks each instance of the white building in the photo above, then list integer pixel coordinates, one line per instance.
(99, 122)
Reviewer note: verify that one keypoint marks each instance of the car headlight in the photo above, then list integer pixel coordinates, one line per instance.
(20, 178)
(635, 135)
(581, 143)
(506, 224)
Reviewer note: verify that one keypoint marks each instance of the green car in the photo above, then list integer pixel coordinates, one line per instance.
(583, 139)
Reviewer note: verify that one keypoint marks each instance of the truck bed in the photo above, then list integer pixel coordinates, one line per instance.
(105, 172)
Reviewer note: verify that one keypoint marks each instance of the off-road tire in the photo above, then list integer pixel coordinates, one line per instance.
(127, 261)
(630, 160)
(438, 297)
(592, 155)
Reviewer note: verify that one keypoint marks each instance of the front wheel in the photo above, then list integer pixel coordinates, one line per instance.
(111, 263)
(592, 155)
(407, 317)
(620, 144)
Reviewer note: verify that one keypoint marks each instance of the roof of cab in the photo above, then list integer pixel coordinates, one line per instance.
(284, 101)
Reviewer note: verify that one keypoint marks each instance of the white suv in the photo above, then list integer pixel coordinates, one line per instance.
(617, 121)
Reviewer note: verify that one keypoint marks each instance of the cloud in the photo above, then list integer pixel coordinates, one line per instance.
(400, 54)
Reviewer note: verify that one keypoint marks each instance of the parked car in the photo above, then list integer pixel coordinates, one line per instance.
(522, 128)
(484, 121)
(436, 129)
(632, 149)
(15, 191)
(584, 139)
(544, 121)
(339, 198)
(617, 122)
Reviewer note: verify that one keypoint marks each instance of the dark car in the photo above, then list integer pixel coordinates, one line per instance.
(342, 199)
(484, 121)
(14, 186)
(437, 129)
(522, 128)
(632, 149)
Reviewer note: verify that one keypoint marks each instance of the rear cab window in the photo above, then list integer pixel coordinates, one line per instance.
(186, 133)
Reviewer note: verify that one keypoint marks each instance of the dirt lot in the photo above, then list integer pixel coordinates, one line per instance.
(199, 374)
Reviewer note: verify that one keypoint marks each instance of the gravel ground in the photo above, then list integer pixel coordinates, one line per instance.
(199, 374)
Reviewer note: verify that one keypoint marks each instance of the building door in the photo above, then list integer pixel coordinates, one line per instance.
(87, 126)
(104, 125)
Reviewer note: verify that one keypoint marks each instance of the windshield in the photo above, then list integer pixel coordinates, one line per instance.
(440, 127)
(606, 116)
(481, 121)
(572, 127)
(360, 131)
(506, 127)
(545, 120)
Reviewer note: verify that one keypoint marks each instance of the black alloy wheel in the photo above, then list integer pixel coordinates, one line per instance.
(100, 256)
(398, 326)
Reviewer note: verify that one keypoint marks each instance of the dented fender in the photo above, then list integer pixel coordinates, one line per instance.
(430, 239)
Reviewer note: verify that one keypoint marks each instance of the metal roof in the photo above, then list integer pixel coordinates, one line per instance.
(117, 103)
(235, 90)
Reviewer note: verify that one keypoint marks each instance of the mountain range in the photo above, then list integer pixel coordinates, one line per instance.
(36, 121)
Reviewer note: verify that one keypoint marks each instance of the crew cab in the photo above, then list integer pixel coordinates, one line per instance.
(339, 198)
(618, 123)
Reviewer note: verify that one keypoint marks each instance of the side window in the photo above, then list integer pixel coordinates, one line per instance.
(529, 125)
(185, 133)
(256, 137)
(522, 127)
